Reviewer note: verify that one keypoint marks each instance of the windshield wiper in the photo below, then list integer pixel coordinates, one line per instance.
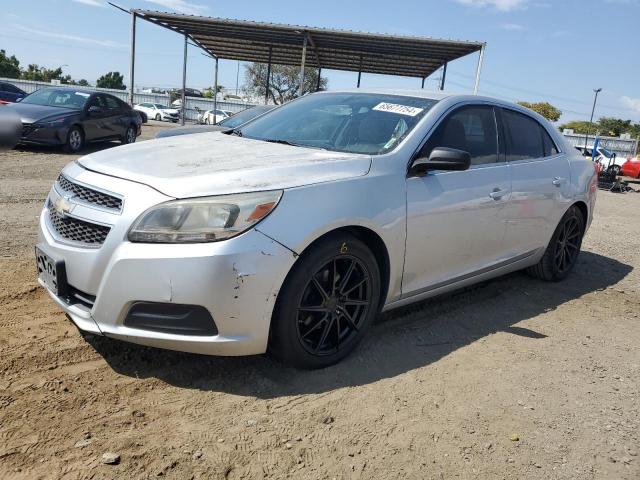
(282, 142)
(234, 131)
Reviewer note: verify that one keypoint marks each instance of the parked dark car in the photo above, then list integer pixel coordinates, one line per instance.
(226, 124)
(74, 117)
(9, 93)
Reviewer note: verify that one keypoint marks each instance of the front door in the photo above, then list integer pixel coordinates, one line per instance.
(456, 220)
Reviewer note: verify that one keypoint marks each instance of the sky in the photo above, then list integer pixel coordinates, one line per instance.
(537, 50)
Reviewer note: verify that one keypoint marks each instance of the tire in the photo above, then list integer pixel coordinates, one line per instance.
(615, 169)
(327, 303)
(158, 117)
(129, 135)
(75, 140)
(562, 252)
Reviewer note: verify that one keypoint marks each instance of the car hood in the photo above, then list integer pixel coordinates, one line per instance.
(33, 113)
(217, 163)
(171, 111)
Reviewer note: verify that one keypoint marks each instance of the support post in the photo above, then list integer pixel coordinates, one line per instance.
(423, 79)
(215, 93)
(266, 90)
(319, 77)
(359, 72)
(132, 65)
(304, 58)
(593, 111)
(480, 59)
(183, 107)
(444, 76)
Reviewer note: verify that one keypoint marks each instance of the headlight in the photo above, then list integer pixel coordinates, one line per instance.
(52, 122)
(206, 219)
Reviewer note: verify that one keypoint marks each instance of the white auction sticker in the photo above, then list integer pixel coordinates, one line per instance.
(82, 94)
(395, 108)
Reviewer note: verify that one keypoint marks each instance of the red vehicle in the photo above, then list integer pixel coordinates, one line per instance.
(631, 168)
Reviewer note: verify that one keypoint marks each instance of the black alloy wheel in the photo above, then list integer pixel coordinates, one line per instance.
(333, 305)
(327, 303)
(562, 252)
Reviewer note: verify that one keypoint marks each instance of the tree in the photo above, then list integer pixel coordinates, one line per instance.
(208, 92)
(607, 126)
(9, 66)
(579, 126)
(545, 109)
(284, 84)
(41, 74)
(614, 127)
(111, 80)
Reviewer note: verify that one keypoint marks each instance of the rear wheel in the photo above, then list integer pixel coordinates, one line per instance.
(327, 304)
(129, 135)
(75, 140)
(562, 253)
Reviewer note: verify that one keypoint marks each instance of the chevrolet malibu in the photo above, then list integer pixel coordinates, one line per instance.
(292, 232)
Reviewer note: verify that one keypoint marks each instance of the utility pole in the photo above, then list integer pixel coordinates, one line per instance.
(595, 99)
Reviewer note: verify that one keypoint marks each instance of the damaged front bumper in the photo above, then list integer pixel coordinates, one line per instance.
(236, 281)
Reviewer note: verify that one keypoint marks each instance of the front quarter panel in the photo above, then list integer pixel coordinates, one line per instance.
(374, 201)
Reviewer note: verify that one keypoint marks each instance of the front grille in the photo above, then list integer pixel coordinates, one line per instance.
(77, 230)
(88, 195)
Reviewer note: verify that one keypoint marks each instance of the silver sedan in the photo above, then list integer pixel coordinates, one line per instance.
(291, 233)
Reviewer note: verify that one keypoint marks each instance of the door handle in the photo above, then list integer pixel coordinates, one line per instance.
(497, 193)
(557, 181)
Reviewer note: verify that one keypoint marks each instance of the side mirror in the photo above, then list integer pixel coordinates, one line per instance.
(94, 110)
(441, 158)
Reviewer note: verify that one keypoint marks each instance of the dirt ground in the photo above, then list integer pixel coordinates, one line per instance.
(513, 378)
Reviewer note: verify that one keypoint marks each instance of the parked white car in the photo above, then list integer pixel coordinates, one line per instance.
(604, 157)
(157, 111)
(208, 117)
(291, 232)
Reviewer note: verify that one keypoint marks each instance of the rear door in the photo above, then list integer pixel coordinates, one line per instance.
(456, 220)
(540, 184)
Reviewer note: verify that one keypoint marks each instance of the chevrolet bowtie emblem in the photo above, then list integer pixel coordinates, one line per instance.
(62, 206)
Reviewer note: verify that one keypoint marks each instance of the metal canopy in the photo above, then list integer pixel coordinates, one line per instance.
(325, 48)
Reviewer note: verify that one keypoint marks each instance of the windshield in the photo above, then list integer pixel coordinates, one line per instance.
(54, 97)
(345, 122)
(160, 106)
(243, 117)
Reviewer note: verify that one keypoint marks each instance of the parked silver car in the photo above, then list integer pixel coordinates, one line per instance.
(294, 231)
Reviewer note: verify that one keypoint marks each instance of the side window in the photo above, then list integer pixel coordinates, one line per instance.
(472, 129)
(96, 101)
(111, 103)
(550, 148)
(522, 136)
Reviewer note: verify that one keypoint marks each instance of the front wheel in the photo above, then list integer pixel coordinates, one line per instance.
(562, 252)
(327, 304)
(75, 140)
(158, 117)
